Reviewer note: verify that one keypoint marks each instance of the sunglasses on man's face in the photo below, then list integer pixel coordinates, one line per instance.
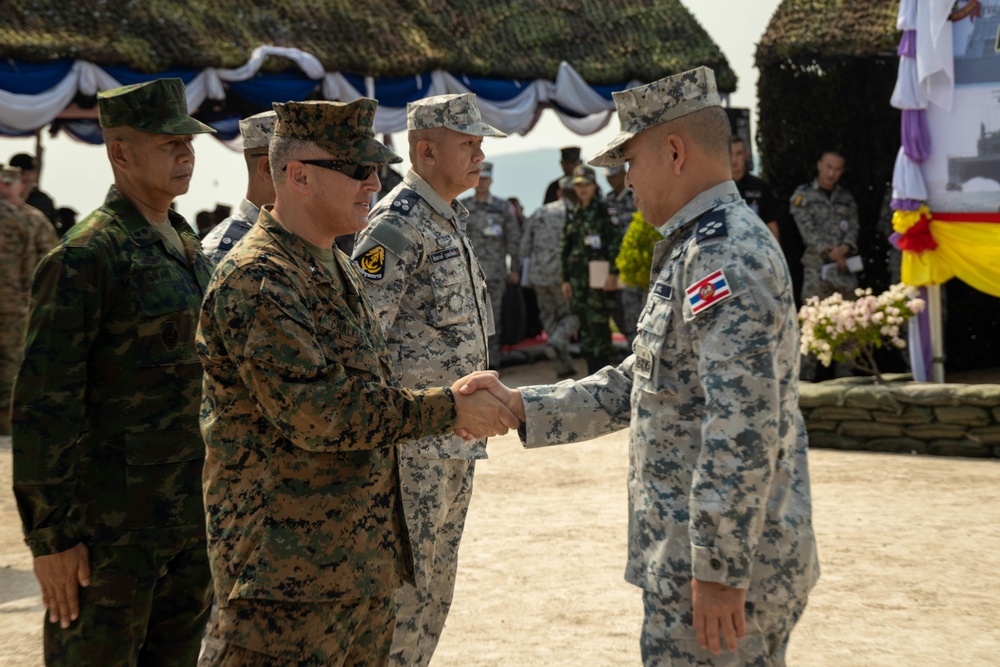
(359, 172)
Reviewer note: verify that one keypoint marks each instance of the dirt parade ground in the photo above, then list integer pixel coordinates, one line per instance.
(909, 546)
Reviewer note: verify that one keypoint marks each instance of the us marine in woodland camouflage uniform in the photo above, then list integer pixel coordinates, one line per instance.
(540, 243)
(496, 235)
(16, 267)
(107, 453)
(590, 235)
(430, 293)
(720, 530)
(256, 132)
(301, 415)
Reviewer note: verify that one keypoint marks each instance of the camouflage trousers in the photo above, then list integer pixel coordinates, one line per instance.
(436, 495)
(559, 322)
(272, 633)
(11, 353)
(629, 302)
(146, 605)
(496, 288)
(669, 640)
(814, 285)
(593, 307)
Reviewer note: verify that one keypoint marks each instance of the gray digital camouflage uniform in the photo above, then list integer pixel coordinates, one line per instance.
(430, 293)
(718, 478)
(495, 233)
(824, 222)
(227, 233)
(540, 242)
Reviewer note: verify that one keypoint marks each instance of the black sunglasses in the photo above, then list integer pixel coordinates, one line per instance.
(359, 172)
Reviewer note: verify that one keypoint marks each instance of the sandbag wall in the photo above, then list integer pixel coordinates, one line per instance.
(904, 417)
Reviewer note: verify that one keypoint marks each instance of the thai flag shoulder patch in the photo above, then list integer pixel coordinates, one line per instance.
(708, 291)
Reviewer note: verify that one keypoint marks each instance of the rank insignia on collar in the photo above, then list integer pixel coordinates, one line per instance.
(708, 291)
(371, 263)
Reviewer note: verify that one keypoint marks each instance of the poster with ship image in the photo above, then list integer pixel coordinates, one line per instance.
(963, 171)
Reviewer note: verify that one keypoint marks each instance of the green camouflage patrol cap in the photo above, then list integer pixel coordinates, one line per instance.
(344, 129)
(456, 112)
(9, 174)
(646, 106)
(257, 130)
(158, 107)
(583, 175)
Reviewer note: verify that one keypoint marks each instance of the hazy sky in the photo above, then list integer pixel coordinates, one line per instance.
(77, 175)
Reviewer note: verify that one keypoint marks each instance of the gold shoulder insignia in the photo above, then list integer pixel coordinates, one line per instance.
(372, 263)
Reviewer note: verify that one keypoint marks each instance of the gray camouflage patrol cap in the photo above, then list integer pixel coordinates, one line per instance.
(9, 174)
(257, 130)
(344, 129)
(456, 112)
(655, 103)
(158, 107)
(486, 170)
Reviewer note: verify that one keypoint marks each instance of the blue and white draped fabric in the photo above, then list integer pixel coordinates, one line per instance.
(33, 95)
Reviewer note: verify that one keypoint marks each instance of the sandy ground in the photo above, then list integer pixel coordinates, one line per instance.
(910, 552)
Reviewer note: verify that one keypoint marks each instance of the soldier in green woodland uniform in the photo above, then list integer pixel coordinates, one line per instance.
(301, 414)
(590, 235)
(107, 451)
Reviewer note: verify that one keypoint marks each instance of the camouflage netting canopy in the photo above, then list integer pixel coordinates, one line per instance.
(827, 71)
(606, 41)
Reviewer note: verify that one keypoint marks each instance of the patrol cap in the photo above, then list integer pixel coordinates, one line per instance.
(257, 130)
(655, 103)
(456, 112)
(158, 106)
(566, 183)
(583, 175)
(9, 174)
(487, 170)
(24, 161)
(344, 129)
(615, 170)
(569, 154)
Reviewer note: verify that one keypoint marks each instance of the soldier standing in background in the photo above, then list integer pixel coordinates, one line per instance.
(495, 235)
(827, 218)
(256, 132)
(590, 235)
(107, 449)
(16, 268)
(540, 243)
(630, 299)
(33, 195)
(720, 520)
(302, 413)
(430, 293)
(42, 235)
(569, 159)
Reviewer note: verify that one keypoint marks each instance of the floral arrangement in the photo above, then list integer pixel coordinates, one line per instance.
(838, 329)
(635, 257)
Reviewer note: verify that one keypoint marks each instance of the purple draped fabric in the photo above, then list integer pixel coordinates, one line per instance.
(906, 204)
(915, 134)
(908, 44)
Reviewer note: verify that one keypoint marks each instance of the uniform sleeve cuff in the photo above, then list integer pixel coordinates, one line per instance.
(436, 407)
(48, 541)
(710, 564)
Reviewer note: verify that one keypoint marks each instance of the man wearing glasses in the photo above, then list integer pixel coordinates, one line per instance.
(301, 414)
(430, 293)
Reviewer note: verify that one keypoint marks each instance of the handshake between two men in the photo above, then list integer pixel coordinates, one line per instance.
(485, 407)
